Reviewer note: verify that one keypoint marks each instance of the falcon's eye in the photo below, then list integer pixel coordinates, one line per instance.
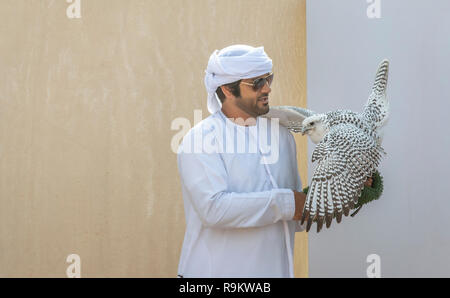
(312, 123)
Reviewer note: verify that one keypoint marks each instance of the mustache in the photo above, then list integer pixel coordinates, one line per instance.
(264, 95)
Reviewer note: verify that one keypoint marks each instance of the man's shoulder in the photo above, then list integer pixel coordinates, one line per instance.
(209, 124)
(285, 134)
(196, 136)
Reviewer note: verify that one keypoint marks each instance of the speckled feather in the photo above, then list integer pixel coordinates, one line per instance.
(349, 153)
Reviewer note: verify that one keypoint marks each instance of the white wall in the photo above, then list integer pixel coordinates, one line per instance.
(408, 226)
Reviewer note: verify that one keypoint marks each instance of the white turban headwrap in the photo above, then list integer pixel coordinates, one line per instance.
(232, 64)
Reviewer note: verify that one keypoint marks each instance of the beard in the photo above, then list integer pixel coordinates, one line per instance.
(255, 108)
(262, 104)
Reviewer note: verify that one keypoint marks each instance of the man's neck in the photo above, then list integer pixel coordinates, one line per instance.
(238, 116)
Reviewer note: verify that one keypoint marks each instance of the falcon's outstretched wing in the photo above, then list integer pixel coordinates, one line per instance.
(346, 158)
(376, 111)
(290, 117)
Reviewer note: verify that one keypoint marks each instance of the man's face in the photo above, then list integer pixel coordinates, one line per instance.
(254, 103)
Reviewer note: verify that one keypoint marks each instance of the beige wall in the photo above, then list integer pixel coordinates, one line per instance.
(86, 107)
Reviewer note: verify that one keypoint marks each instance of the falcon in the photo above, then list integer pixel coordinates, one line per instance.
(348, 151)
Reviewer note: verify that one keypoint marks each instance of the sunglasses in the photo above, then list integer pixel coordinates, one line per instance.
(260, 82)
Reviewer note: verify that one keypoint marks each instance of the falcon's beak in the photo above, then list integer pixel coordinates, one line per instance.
(304, 130)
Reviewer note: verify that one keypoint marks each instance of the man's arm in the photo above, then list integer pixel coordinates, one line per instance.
(204, 177)
(300, 197)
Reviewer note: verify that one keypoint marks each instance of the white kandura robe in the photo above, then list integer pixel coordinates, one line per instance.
(234, 216)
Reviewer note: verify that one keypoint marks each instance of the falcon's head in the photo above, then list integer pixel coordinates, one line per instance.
(315, 127)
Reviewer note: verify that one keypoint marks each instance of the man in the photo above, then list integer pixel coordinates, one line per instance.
(241, 211)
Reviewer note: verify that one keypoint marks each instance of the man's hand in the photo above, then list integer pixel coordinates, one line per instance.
(300, 199)
(369, 182)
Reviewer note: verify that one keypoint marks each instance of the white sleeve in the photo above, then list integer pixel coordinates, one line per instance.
(204, 177)
(298, 226)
